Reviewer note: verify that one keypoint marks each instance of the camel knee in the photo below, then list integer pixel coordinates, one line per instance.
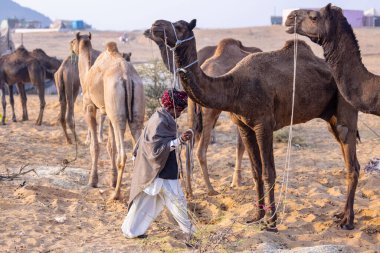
(342, 133)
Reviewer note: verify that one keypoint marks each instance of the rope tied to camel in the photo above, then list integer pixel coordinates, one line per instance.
(285, 175)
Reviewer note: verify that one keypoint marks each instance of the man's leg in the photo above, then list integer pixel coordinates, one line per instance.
(142, 213)
(175, 201)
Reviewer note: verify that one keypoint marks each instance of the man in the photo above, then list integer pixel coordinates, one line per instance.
(155, 175)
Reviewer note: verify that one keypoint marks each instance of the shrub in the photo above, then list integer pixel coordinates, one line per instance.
(156, 79)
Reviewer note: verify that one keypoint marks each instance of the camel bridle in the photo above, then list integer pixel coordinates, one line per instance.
(173, 49)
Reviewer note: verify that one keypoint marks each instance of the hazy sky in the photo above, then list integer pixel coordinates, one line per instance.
(140, 14)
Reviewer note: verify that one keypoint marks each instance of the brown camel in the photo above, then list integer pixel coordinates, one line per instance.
(329, 28)
(258, 92)
(113, 86)
(68, 84)
(219, 60)
(21, 67)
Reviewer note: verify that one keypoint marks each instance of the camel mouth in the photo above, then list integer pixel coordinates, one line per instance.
(147, 33)
(290, 29)
(156, 32)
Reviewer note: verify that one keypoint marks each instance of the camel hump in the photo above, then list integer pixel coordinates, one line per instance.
(224, 43)
(290, 44)
(111, 47)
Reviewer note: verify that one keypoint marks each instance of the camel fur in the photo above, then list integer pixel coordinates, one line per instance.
(113, 86)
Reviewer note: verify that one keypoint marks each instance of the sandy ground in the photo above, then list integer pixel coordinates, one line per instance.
(57, 212)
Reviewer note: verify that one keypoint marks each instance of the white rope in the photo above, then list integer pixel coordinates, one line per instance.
(285, 177)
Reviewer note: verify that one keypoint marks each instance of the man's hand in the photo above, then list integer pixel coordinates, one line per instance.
(185, 136)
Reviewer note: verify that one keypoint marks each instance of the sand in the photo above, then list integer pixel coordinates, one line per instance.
(53, 211)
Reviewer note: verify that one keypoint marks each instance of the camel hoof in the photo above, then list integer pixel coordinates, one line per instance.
(38, 123)
(236, 184)
(68, 141)
(93, 184)
(271, 229)
(114, 196)
(212, 193)
(347, 226)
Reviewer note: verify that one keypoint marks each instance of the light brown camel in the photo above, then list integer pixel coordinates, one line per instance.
(113, 86)
(68, 85)
(329, 28)
(21, 67)
(218, 60)
(258, 92)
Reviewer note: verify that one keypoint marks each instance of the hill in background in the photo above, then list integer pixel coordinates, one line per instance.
(10, 9)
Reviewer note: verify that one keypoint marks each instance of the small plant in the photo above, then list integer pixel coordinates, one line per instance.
(156, 79)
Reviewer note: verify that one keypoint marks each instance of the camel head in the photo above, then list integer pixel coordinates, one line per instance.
(127, 56)
(320, 26)
(74, 46)
(162, 28)
(174, 32)
(84, 42)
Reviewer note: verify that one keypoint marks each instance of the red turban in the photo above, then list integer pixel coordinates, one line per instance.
(180, 99)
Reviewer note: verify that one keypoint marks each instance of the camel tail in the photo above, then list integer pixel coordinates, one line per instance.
(129, 90)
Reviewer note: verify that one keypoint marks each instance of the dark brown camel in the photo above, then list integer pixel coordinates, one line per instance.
(21, 67)
(258, 94)
(329, 28)
(219, 60)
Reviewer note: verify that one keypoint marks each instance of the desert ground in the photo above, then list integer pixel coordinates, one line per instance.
(51, 209)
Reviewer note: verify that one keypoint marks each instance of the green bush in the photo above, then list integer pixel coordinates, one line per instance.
(156, 79)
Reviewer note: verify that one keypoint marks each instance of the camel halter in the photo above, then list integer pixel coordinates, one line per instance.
(177, 43)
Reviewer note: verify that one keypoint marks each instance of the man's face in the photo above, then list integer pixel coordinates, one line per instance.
(175, 112)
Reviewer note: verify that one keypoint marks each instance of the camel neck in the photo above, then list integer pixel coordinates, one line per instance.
(217, 93)
(356, 84)
(84, 63)
(342, 53)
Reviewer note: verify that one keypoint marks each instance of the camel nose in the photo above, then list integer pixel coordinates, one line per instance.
(290, 19)
(147, 33)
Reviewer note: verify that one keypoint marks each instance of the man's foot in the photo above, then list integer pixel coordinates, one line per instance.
(143, 236)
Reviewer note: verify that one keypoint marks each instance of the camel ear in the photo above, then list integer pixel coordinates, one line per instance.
(192, 24)
(89, 35)
(78, 36)
(130, 54)
(328, 7)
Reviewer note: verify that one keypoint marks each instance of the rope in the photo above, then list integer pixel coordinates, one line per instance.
(285, 176)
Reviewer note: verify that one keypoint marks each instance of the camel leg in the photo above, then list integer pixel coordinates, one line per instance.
(264, 135)
(101, 126)
(111, 149)
(62, 103)
(4, 104)
(249, 140)
(90, 116)
(345, 130)
(12, 102)
(236, 178)
(119, 130)
(136, 127)
(209, 117)
(41, 95)
(23, 98)
(70, 114)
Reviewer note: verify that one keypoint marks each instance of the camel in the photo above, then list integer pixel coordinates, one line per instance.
(20, 67)
(202, 120)
(68, 84)
(329, 28)
(113, 86)
(257, 92)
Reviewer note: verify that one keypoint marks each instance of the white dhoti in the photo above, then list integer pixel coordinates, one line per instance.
(149, 204)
